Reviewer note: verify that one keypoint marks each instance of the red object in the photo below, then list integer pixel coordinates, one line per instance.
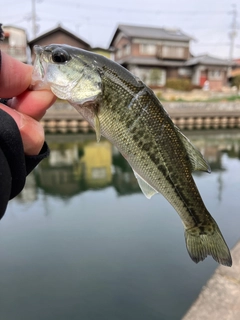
(202, 80)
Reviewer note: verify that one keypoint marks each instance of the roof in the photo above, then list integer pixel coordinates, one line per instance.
(151, 33)
(151, 61)
(13, 27)
(58, 28)
(207, 60)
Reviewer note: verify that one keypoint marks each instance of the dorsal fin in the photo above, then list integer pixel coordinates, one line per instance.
(196, 158)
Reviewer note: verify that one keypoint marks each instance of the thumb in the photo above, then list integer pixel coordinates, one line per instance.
(31, 131)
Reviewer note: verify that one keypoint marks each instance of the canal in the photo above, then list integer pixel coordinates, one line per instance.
(82, 242)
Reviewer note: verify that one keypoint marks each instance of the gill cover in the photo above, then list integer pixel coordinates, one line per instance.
(69, 73)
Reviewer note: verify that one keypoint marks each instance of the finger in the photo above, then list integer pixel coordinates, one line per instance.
(33, 103)
(31, 131)
(15, 77)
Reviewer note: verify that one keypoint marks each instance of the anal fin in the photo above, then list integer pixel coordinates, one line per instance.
(97, 127)
(147, 190)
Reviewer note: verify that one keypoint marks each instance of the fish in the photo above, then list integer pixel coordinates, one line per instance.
(120, 107)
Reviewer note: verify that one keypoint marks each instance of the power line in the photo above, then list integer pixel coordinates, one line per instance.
(135, 10)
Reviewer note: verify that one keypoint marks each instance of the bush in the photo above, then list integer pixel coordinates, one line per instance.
(236, 81)
(179, 84)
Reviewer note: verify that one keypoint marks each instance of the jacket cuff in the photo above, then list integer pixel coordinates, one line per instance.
(33, 161)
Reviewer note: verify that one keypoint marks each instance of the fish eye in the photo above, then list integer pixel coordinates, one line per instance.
(60, 56)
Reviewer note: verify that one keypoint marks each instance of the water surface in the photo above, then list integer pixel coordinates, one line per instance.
(82, 242)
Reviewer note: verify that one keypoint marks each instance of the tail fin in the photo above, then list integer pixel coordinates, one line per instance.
(207, 240)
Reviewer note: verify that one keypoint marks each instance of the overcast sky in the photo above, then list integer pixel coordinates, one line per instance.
(207, 21)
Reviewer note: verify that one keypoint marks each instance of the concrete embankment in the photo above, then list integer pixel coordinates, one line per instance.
(220, 298)
(186, 115)
(198, 115)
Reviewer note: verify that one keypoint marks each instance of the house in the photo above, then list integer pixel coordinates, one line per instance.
(158, 54)
(15, 43)
(59, 35)
(108, 53)
(152, 54)
(235, 69)
(210, 70)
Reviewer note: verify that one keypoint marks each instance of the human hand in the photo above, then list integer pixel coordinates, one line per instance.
(27, 107)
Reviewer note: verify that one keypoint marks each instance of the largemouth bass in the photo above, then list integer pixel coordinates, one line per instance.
(123, 109)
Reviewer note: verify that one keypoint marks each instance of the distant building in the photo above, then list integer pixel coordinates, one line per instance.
(15, 43)
(59, 35)
(209, 69)
(157, 54)
(152, 54)
(108, 53)
(236, 69)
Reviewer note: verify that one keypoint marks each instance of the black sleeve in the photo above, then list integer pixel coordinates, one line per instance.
(32, 161)
(14, 165)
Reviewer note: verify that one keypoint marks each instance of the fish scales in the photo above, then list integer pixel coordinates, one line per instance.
(140, 136)
(124, 110)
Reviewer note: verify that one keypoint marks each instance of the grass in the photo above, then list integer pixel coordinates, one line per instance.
(214, 99)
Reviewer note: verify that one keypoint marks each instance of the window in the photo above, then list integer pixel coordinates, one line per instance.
(119, 53)
(123, 51)
(185, 72)
(156, 77)
(127, 50)
(173, 52)
(149, 49)
(215, 74)
(151, 76)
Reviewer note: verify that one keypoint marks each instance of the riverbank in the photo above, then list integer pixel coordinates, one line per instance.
(186, 115)
(220, 298)
(227, 94)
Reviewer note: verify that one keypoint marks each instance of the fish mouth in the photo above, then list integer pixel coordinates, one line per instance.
(39, 70)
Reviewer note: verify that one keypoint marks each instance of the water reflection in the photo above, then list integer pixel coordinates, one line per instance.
(74, 167)
(81, 232)
(213, 144)
(78, 163)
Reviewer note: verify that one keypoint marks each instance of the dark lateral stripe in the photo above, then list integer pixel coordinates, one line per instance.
(184, 199)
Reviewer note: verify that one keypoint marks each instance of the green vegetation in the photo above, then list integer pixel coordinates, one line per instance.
(161, 97)
(236, 81)
(179, 84)
(155, 76)
(230, 98)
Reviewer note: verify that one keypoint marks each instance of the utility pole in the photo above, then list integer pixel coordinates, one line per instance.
(34, 18)
(233, 32)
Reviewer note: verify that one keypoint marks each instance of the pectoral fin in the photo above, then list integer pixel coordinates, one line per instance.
(196, 158)
(147, 190)
(97, 127)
